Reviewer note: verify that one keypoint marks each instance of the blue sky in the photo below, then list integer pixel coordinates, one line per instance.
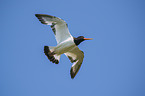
(114, 63)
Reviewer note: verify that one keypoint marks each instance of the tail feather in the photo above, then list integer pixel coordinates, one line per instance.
(48, 50)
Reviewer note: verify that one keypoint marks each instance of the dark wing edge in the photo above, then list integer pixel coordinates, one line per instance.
(58, 26)
(73, 73)
(42, 20)
(50, 55)
(76, 57)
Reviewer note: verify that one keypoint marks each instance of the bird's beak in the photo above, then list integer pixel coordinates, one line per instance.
(88, 38)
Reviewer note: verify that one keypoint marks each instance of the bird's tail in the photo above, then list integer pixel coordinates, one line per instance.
(48, 50)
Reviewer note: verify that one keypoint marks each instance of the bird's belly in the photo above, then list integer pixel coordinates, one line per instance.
(64, 47)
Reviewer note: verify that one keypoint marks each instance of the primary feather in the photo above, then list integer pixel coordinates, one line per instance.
(59, 26)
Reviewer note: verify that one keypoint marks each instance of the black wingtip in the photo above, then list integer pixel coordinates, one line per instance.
(39, 16)
(72, 77)
(36, 15)
(44, 15)
(72, 74)
(49, 55)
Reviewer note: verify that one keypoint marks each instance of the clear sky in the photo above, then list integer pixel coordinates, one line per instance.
(114, 63)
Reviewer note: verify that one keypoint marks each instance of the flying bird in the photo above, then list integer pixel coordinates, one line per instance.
(66, 43)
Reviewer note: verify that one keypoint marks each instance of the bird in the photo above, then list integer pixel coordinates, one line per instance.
(66, 43)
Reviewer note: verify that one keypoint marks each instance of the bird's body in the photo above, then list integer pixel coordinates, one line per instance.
(66, 44)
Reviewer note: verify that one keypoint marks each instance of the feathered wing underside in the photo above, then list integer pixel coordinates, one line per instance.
(59, 26)
(76, 57)
(54, 58)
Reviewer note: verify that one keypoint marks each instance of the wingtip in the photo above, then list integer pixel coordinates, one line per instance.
(44, 15)
(49, 55)
(72, 77)
(72, 74)
(37, 15)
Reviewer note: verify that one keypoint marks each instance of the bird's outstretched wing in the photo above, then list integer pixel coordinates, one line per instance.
(76, 57)
(59, 26)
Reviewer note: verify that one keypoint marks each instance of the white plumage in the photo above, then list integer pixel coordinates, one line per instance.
(65, 43)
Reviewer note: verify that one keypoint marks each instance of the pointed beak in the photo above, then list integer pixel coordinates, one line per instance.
(88, 38)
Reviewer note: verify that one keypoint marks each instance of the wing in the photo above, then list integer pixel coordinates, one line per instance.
(59, 26)
(76, 57)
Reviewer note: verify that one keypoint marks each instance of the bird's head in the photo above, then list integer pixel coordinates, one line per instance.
(79, 39)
